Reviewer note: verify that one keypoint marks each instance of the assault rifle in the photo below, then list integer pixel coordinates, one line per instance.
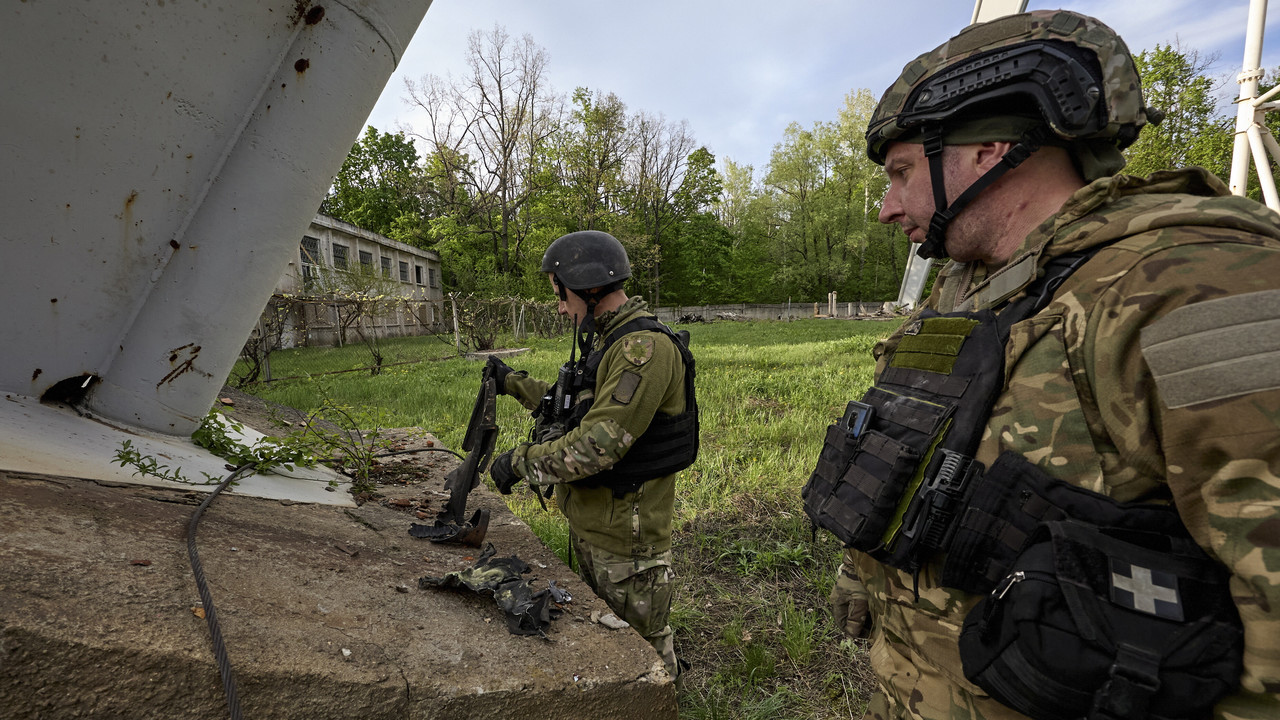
(482, 433)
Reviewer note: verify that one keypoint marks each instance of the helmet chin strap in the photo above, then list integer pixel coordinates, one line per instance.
(934, 245)
(585, 330)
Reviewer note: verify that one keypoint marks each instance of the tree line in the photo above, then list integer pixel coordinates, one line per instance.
(504, 165)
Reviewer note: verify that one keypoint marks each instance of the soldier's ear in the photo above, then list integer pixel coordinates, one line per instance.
(989, 154)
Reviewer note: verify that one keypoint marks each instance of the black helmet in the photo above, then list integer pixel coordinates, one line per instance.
(1043, 77)
(587, 259)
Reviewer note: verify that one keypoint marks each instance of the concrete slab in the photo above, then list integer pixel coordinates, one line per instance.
(319, 606)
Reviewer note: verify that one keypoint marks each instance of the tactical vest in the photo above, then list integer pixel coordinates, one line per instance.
(669, 445)
(1058, 635)
(893, 472)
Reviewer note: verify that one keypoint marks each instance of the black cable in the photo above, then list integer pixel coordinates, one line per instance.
(210, 614)
(430, 449)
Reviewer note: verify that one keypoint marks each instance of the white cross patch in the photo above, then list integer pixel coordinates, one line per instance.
(1142, 589)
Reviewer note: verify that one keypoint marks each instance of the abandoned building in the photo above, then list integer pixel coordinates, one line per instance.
(345, 279)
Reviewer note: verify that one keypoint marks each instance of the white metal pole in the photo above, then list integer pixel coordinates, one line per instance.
(1247, 114)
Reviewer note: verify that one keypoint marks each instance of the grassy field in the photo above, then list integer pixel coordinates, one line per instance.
(751, 612)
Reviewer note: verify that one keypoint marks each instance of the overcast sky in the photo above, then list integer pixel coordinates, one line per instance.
(740, 71)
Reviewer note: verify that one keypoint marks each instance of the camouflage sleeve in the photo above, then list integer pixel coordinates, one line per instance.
(1184, 357)
(526, 390)
(639, 375)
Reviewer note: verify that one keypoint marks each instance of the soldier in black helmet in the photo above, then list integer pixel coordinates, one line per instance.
(611, 433)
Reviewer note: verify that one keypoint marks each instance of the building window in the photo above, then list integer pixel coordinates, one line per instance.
(417, 274)
(386, 266)
(366, 261)
(340, 256)
(431, 277)
(310, 253)
(404, 271)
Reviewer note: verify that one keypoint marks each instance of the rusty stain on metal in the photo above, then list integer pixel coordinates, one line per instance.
(186, 365)
(302, 65)
(174, 244)
(315, 15)
(36, 374)
(129, 201)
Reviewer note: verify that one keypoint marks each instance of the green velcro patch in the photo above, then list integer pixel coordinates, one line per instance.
(626, 388)
(933, 344)
(1215, 349)
(637, 348)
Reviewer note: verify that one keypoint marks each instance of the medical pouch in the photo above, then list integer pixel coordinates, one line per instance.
(1106, 623)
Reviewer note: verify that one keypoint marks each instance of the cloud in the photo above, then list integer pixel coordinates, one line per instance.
(739, 71)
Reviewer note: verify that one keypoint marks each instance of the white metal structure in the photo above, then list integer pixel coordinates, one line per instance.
(1252, 137)
(158, 164)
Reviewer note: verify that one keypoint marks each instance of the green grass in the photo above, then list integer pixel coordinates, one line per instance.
(751, 611)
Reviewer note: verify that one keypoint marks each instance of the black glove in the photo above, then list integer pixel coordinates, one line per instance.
(500, 372)
(503, 476)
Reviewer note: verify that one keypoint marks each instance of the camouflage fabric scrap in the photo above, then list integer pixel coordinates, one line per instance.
(527, 612)
(1081, 402)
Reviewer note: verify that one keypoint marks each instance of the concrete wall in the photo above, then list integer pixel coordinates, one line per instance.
(421, 280)
(779, 311)
(411, 273)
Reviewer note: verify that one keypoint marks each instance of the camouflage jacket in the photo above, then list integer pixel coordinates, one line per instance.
(1153, 375)
(640, 375)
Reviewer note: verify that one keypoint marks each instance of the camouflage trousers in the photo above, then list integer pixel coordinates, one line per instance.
(638, 590)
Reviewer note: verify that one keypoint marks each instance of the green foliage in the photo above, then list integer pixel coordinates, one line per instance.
(1192, 132)
(129, 456)
(507, 168)
(821, 199)
(217, 434)
(378, 186)
(799, 632)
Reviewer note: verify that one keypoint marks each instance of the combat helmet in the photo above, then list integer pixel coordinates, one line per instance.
(1044, 77)
(587, 259)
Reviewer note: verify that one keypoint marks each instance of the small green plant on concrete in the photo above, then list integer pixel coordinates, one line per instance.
(128, 456)
(350, 438)
(215, 434)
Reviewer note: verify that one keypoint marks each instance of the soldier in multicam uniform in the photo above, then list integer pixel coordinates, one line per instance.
(1151, 376)
(614, 467)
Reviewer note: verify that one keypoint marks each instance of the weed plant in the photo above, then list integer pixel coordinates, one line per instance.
(751, 612)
